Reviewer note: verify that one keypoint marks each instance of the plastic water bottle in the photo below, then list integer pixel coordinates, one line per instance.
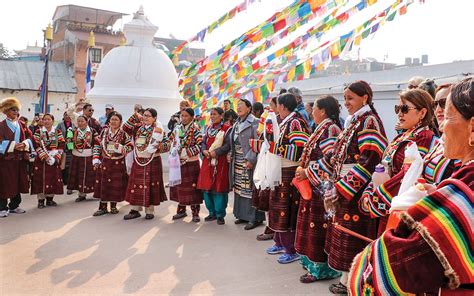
(329, 195)
(380, 175)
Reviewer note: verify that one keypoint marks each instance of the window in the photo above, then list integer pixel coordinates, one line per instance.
(37, 108)
(96, 55)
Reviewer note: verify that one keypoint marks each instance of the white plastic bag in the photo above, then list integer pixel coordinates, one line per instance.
(267, 173)
(129, 162)
(175, 167)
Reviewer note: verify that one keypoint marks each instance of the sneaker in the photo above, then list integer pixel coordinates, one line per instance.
(3, 213)
(275, 250)
(288, 258)
(18, 211)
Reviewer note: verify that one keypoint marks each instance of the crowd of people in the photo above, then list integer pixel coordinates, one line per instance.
(386, 217)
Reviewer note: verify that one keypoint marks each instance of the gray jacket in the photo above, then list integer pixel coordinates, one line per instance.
(248, 131)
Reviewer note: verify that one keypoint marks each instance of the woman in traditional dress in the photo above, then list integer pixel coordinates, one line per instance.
(284, 199)
(15, 145)
(312, 224)
(47, 176)
(187, 138)
(430, 251)
(66, 126)
(213, 178)
(415, 114)
(82, 171)
(260, 198)
(358, 149)
(109, 159)
(145, 185)
(242, 162)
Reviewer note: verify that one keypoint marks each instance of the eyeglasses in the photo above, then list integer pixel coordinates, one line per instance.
(403, 108)
(441, 103)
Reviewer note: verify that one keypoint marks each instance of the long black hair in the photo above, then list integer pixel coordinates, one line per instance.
(362, 88)
(288, 101)
(331, 107)
(113, 113)
(462, 97)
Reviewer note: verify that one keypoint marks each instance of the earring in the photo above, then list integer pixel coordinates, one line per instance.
(471, 142)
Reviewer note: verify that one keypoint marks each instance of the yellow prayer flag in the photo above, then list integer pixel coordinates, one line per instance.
(291, 74)
(357, 40)
(371, 2)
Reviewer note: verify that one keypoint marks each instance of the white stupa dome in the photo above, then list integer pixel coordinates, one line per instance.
(137, 73)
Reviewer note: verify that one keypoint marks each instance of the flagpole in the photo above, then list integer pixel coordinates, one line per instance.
(48, 35)
(91, 44)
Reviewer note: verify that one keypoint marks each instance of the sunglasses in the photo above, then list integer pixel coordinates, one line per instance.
(403, 108)
(441, 103)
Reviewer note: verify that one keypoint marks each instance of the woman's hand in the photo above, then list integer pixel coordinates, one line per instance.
(249, 165)
(300, 174)
(20, 146)
(206, 153)
(430, 188)
(213, 154)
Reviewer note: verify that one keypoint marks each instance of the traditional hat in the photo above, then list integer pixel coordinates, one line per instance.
(9, 103)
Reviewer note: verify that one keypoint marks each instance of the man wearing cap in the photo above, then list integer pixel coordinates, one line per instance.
(300, 107)
(103, 119)
(15, 145)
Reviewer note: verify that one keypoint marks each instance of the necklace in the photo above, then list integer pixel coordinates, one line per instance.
(143, 137)
(81, 139)
(313, 141)
(108, 137)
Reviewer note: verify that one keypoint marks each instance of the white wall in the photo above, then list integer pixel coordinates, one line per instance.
(58, 101)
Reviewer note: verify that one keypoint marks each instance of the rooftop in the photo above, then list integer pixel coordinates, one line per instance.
(82, 14)
(28, 75)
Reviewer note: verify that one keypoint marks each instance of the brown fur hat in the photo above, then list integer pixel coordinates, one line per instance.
(9, 103)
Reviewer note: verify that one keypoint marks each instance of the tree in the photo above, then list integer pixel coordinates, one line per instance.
(5, 53)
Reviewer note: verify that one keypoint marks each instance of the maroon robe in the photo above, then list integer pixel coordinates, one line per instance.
(187, 193)
(145, 184)
(430, 249)
(111, 176)
(312, 223)
(13, 165)
(47, 179)
(82, 172)
(379, 198)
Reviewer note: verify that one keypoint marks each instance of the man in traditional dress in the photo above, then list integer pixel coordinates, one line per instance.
(15, 145)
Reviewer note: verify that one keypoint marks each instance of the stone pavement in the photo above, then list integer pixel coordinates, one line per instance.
(66, 251)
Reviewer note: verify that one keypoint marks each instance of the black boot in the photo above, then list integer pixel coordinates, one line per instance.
(41, 204)
(50, 202)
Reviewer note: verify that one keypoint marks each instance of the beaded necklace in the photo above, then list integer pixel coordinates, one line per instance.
(213, 131)
(144, 132)
(81, 139)
(46, 141)
(389, 154)
(108, 137)
(436, 151)
(313, 140)
(186, 134)
(340, 148)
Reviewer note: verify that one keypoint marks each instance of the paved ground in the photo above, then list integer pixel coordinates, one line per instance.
(66, 251)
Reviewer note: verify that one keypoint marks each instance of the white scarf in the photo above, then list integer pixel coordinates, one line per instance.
(350, 118)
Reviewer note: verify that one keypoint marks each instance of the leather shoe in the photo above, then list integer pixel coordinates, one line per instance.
(132, 215)
(179, 216)
(220, 221)
(149, 216)
(240, 221)
(252, 225)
